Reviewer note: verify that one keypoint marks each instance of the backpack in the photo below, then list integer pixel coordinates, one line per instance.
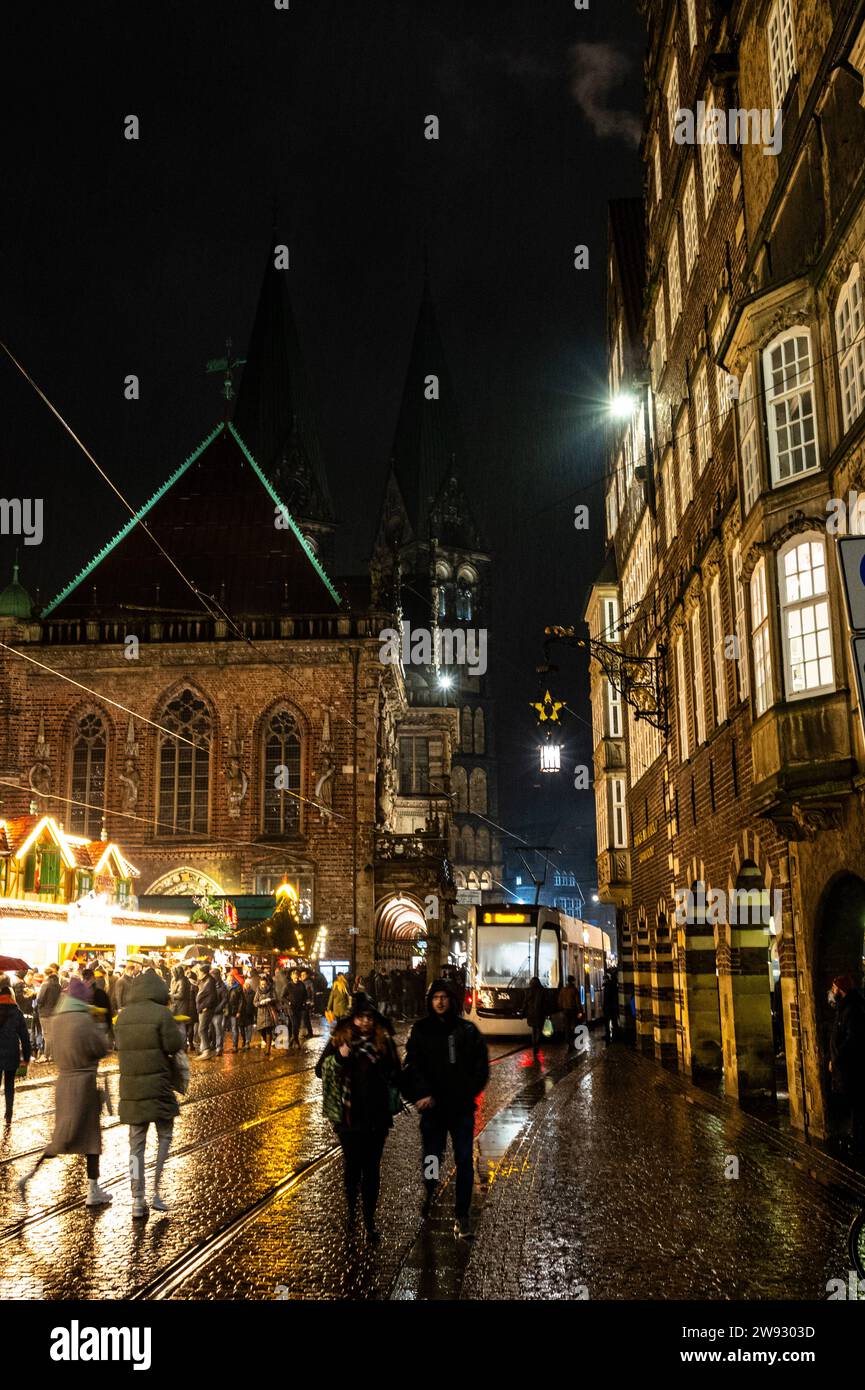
(333, 1089)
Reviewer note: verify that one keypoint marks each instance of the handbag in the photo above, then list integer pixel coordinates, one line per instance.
(548, 1028)
(178, 1070)
(333, 1089)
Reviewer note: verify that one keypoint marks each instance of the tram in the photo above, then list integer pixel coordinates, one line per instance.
(509, 943)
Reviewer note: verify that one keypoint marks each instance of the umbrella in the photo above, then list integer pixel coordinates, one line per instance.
(196, 953)
(13, 963)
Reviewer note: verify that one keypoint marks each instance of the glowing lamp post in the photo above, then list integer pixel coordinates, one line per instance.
(551, 754)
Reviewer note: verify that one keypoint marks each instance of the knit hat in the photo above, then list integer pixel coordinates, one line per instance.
(80, 989)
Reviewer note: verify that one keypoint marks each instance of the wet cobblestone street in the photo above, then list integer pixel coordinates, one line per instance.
(602, 1176)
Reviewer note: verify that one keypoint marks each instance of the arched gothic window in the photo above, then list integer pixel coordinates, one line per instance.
(482, 845)
(459, 789)
(468, 845)
(88, 776)
(281, 762)
(184, 766)
(478, 791)
(466, 734)
(480, 732)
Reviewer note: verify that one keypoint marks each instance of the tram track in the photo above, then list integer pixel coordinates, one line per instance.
(192, 1261)
(14, 1229)
(221, 1094)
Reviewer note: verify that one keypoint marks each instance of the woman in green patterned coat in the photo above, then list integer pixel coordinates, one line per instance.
(147, 1039)
(360, 1071)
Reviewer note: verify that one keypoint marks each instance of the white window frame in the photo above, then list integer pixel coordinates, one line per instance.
(682, 700)
(669, 485)
(619, 813)
(672, 95)
(614, 712)
(709, 155)
(781, 44)
(761, 643)
(748, 445)
(689, 223)
(718, 638)
(702, 419)
(741, 630)
(784, 404)
(692, 25)
(686, 461)
(603, 818)
(806, 617)
(610, 620)
(696, 630)
(850, 339)
(674, 277)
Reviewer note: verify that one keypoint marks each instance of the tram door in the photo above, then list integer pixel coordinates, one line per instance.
(549, 963)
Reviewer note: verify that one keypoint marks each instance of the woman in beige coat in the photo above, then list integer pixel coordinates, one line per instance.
(79, 1043)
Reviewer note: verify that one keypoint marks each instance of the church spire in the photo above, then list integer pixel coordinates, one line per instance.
(274, 414)
(428, 436)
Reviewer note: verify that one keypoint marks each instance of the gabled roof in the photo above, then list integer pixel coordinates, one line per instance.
(275, 412)
(428, 436)
(226, 529)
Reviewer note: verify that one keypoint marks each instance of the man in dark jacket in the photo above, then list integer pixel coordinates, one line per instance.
(14, 1042)
(296, 1000)
(48, 1002)
(147, 1036)
(611, 1004)
(446, 1068)
(847, 1054)
(124, 985)
(205, 1002)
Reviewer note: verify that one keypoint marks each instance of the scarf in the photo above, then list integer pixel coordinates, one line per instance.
(7, 999)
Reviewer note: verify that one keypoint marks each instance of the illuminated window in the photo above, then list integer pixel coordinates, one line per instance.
(669, 490)
(782, 50)
(741, 634)
(805, 627)
(674, 278)
(760, 640)
(748, 437)
(703, 419)
(709, 155)
(414, 766)
(692, 25)
(673, 97)
(850, 333)
(682, 701)
(689, 223)
(718, 653)
(790, 411)
(620, 824)
(697, 663)
(683, 447)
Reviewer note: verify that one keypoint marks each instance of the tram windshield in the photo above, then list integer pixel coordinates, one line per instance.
(506, 956)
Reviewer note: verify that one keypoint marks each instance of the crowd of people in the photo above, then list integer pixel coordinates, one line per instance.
(154, 1017)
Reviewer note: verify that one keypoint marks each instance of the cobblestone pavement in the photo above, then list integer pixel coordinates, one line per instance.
(602, 1176)
(617, 1188)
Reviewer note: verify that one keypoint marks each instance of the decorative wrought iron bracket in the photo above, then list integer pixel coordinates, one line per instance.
(640, 680)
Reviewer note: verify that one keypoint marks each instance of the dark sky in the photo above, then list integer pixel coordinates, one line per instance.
(141, 257)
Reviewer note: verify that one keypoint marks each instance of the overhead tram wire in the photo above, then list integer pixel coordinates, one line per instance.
(191, 585)
(202, 835)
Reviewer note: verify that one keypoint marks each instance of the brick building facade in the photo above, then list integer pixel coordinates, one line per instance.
(204, 690)
(746, 417)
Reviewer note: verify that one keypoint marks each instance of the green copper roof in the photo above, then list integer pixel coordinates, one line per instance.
(15, 602)
(143, 511)
(311, 556)
(133, 521)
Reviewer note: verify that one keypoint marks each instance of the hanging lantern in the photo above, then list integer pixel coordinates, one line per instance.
(551, 754)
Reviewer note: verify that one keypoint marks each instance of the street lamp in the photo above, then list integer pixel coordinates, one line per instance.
(551, 754)
(622, 405)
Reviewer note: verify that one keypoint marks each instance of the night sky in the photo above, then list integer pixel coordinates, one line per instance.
(141, 257)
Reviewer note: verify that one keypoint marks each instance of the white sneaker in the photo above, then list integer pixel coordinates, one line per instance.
(159, 1203)
(97, 1196)
(139, 1208)
(204, 1054)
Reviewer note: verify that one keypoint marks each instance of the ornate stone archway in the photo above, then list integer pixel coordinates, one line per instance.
(183, 882)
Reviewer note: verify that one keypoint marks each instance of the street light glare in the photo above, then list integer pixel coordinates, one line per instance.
(622, 405)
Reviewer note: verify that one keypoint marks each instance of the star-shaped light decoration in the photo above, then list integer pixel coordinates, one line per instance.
(548, 709)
